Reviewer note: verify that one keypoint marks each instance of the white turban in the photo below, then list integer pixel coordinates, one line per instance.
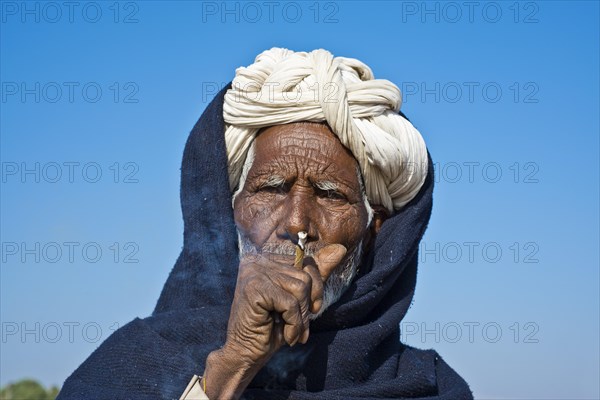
(283, 86)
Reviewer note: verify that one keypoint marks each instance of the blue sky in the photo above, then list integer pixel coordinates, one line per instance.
(97, 102)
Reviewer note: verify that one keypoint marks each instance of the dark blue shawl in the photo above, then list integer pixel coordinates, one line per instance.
(354, 351)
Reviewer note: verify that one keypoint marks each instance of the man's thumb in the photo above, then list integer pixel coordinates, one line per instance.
(328, 258)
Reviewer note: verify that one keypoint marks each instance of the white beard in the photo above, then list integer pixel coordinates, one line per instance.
(336, 284)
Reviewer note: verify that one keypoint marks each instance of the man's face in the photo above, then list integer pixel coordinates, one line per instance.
(302, 179)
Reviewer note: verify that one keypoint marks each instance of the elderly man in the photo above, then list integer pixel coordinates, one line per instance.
(297, 291)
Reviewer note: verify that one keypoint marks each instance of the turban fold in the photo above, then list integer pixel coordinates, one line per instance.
(283, 86)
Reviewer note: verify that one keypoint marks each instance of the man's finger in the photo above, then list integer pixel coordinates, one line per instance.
(316, 290)
(283, 302)
(300, 288)
(305, 335)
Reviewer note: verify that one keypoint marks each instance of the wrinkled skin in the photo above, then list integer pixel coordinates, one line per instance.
(273, 300)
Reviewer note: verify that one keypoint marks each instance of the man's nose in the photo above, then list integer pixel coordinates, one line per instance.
(297, 217)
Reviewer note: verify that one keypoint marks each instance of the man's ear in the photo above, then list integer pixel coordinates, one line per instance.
(380, 214)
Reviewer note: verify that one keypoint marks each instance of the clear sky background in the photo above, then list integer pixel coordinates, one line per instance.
(99, 100)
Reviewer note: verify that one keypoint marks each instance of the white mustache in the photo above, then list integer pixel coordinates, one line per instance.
(286, 249)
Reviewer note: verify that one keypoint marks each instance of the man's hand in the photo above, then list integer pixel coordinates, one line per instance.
(271, 306)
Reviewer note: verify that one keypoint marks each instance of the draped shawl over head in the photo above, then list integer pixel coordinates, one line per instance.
(353, 351)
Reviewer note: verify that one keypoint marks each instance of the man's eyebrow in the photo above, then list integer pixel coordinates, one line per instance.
(273, 181)
(327, 185)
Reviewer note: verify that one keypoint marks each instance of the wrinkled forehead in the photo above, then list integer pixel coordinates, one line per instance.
(307, 147)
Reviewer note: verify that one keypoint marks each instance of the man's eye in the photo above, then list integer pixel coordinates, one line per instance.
(280, 189)
(331, 194)
(335, 195)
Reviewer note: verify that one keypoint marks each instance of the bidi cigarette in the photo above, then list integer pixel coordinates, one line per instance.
(298, 262)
